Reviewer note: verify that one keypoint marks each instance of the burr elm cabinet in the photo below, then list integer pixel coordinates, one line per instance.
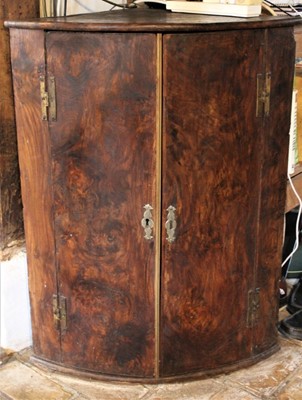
(153, 156)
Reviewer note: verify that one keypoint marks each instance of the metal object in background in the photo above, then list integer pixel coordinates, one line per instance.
(54, 5)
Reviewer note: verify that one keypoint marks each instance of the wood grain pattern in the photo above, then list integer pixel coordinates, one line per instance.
(273, 183)
(19, 9)
(103, 149)
(36, 184)
(154, 118)
(148, 20)
(211, 176)
(11, 221)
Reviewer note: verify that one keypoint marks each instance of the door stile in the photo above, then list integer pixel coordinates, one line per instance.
(278, 45)
(253, 295)
(50, 121)
(255, 285)
(34, 150)
(157, 275)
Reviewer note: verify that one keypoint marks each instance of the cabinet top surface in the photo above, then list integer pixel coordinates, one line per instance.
(150, 20)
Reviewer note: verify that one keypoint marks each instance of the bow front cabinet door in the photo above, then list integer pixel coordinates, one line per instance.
(153, 156)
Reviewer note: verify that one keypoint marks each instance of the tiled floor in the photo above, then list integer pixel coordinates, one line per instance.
(278, 377)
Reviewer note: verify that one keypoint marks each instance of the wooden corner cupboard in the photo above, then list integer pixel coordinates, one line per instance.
(153, 156)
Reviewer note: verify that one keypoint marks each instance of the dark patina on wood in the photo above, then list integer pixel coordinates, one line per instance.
(154, 111)
(149, 20)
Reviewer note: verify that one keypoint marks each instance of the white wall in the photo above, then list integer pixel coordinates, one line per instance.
(76, 6)
(85, 6)
(15, 322)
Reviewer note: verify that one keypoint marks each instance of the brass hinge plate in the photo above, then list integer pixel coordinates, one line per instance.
(263, 94)
(253, 307)
(44, 97)
(59, 312)
(48, 98)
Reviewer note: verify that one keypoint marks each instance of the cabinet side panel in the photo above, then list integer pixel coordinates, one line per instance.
(211, 176)
(36, 186)
(280, 58)
(104, 169)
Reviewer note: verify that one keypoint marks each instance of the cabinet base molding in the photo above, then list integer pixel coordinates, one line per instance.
(197, 375)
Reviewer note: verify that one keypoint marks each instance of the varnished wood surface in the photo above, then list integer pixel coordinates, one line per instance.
(103, 151)
(19, 9)
(36, 184)
(150, 20)
(274, 148)
(85, 374)
(87, 175)
(211, 175)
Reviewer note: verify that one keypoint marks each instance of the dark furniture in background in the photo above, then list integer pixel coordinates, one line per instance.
(11, 221)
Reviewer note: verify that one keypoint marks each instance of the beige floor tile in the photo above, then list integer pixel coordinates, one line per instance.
(95, 390)
(264, 378)
(234, 393)
(18, 382)
(198, 390)
(298, 374)
(293, 389)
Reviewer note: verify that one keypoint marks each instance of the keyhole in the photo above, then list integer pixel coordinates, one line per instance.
(147, 221)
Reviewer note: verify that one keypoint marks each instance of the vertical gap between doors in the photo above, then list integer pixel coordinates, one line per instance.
(157, 277)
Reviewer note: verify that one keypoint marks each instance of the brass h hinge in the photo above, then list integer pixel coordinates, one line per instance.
(263, 94)
(48, 98)
(253, 307)
(59, 312)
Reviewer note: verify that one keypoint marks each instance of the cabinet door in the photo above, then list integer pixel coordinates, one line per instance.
(103, 151)
(211, 175)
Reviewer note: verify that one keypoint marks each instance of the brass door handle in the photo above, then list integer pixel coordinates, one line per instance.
(171, 224)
